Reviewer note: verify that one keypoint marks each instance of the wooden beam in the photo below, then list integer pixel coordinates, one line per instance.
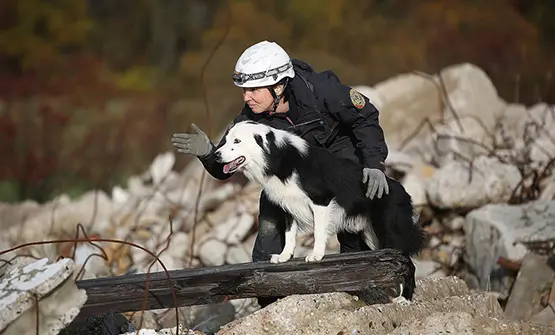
(382, 271)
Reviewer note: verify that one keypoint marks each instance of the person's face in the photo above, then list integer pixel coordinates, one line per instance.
(259, 99)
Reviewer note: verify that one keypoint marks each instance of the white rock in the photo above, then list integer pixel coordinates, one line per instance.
(472, 93)
(242, 227)
(403, 101)
(415, 182)
(171, 263)
(548, 191)
(179, 244)
(399, 161)
(543, 148)
(63, 216)
(161, 166)
(498, 230)
(466, 137)
(235, 229)
(407, 99)
(492, 182)
(511, 125)
(416, 188)
(456, 223)
(136, 187)
(537, 124)
(212, 199)
(237, 254)
(212, 252)
(90, 256)
(92, 206)
(428, 269)
(165, 331)
(119, 195)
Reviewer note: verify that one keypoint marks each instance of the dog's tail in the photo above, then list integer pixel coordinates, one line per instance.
(396, 224)
(397, 227)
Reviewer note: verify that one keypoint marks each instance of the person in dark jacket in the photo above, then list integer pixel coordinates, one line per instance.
(288, 94)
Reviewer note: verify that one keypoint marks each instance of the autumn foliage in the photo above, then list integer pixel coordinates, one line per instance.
(91, 91)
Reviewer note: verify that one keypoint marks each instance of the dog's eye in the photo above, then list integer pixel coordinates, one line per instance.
(236, 141)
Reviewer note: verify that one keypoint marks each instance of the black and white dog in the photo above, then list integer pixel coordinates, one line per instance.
(322, 193)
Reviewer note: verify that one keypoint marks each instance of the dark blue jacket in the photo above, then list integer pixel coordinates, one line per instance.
(322, 112)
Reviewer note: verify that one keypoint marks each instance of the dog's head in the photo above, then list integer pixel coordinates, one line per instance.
(243, 146)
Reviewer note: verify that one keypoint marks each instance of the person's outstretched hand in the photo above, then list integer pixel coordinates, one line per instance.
(196, 144)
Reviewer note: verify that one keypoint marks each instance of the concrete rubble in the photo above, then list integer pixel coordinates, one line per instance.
(441, 306)
(480, 171)
(38, 296)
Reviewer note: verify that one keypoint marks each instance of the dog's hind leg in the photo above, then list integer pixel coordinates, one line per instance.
(290, 243)
(321, 224)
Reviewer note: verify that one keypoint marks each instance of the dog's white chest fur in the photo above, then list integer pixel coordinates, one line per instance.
(291, 197)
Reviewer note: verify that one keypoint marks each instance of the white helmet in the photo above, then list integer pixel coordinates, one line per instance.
(262, 64)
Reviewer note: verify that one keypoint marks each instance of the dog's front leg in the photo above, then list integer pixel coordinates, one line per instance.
(321, 223)
(290, 243)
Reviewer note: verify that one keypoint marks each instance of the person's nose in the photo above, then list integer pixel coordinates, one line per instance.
(246, 96)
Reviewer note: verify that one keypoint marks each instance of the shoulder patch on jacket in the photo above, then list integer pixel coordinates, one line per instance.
(357, 99)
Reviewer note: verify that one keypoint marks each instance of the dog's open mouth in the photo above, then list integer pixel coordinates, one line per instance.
(234, 164)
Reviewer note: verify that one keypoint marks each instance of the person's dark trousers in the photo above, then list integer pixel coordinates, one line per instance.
(271, 238)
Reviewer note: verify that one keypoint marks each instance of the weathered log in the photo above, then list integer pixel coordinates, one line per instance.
(377, 273)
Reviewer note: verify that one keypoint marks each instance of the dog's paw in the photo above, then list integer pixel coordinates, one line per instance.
(281, 258)
(401, 301)
(314, 257)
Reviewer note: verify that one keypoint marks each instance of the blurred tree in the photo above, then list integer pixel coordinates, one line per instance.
(36, 34)
(121, 68)
(144, 39)
(541, 13)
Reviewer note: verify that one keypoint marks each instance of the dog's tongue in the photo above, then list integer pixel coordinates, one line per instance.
(231, 166)
(228, 167)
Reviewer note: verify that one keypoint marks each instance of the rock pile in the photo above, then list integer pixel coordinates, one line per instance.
(479, 169)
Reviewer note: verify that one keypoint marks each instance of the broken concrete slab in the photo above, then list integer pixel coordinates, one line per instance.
(439, 287)
(440, 306)
(547, 315)
(501, 230)
(336, 314)
(465, 323)
(533, 281)
(545, 318)
(49, 287)
(289, 314)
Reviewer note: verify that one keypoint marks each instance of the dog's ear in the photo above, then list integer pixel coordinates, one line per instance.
(271, 137)
(259, 140)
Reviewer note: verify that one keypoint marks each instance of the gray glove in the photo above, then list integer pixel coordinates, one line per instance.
(377, 183)
(197, 144)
